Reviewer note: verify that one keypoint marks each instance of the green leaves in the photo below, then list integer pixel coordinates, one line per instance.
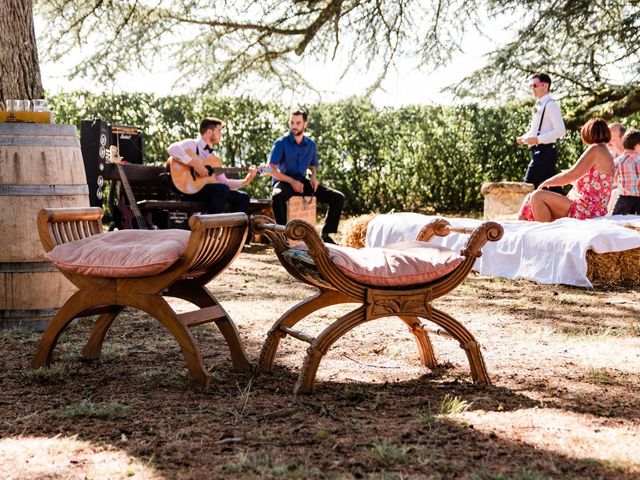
(415, 158)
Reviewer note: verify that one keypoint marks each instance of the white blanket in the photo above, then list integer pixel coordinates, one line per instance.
(543, 252)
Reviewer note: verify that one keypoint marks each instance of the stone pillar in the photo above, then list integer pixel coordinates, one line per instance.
(502, 200)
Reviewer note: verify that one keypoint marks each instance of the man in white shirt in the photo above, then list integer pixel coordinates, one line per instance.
(193, 152)
(546, 128)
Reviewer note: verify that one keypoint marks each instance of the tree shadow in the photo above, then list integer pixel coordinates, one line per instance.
(249, 426)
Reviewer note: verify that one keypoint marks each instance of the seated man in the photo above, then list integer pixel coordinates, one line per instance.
(199, 174)
(290, 158)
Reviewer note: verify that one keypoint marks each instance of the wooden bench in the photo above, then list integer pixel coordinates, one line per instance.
(156, 197)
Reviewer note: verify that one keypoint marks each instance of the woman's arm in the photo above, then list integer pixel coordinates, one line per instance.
(582, 166)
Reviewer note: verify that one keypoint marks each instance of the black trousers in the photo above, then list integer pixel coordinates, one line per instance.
(217, 194)
(627, 205)
(542, 165)
(282, 191)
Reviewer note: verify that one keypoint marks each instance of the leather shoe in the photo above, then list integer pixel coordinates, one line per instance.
(328, 239)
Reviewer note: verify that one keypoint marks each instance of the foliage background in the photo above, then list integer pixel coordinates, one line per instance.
(415, 158)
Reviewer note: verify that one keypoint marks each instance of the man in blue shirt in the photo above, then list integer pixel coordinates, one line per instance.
(290, 159)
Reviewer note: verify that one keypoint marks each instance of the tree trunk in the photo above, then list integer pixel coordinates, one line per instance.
(19, 67)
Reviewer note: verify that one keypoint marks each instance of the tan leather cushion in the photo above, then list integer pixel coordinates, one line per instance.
(394, 265)
(125, 253)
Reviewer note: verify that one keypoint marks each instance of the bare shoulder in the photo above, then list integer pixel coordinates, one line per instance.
(602, 158)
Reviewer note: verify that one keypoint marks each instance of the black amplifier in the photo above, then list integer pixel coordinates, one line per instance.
(100, 143)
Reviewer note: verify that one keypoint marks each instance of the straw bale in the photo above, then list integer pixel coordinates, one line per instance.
(355, 231)
(604, 269)
(615, 268)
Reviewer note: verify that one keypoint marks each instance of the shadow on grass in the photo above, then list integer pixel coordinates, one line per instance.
(139, 399)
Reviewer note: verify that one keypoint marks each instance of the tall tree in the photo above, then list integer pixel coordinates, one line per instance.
(19, 67)
(589, 46)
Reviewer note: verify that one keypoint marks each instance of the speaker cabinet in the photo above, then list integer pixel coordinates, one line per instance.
(95, 140)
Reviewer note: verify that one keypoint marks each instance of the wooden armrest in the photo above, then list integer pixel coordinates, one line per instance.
(214, 242)
(275, 233)
(197, 222)
(439, 227)
(62, 225)
(301, 230)
(294, 230)
(487, 231)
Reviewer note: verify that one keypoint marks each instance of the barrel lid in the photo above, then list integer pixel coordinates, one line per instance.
(37, 129)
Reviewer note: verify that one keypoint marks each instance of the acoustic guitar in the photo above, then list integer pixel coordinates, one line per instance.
(187, 180)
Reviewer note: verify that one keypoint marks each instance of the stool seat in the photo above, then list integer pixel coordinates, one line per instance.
(395, 265)
(120, 254)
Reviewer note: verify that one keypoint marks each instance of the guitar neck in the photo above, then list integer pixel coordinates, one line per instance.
(229, 169)
(142, 224)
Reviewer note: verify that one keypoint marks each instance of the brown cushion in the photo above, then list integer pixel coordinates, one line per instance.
(125, 253)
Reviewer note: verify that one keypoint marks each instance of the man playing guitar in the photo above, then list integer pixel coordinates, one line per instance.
(195, 155)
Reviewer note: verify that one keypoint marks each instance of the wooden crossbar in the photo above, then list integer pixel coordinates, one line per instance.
(202, 316)
(436, 331)
(297, 334)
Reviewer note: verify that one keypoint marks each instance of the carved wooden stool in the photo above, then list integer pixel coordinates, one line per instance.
(369, 277)
(138, 268)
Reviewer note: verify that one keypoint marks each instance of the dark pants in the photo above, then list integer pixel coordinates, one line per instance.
(542, 166)
(217, 194)
(627, 205)
(282, 191)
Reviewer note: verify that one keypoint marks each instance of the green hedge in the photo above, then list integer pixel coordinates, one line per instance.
(414, 158)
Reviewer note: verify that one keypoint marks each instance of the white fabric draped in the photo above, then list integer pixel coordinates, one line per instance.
(543, 252)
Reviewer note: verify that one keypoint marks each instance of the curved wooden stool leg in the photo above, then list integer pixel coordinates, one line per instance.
(321, 345)
(157, 307)
(193, 292)
(425, 348)
(77, 303)
(239, 358)
(202, 297)
(323, 298)
(467, 342)
(92, 349)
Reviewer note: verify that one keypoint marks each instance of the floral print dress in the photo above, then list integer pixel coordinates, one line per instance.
(590, 195)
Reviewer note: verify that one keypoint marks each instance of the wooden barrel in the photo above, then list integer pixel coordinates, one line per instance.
(40, 166)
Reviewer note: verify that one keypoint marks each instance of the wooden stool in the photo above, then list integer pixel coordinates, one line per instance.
(214, 242)
(408, 297)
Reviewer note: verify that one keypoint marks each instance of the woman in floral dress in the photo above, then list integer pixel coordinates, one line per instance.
(591, 177)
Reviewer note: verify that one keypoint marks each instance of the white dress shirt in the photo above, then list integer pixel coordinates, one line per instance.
(178, 150)
(552, 124)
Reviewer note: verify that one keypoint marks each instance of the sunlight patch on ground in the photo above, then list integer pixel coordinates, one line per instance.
(573, 435)
(67, 458)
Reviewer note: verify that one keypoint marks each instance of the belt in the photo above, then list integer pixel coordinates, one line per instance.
(543, 146)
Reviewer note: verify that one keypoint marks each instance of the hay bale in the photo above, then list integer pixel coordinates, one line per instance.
(502, 200)
(355, 231)
(615, 268)
(604, 269)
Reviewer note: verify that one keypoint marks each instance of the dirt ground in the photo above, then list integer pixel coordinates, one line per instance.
(565, 400)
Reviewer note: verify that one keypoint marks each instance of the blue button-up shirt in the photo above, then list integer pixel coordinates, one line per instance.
(293, 159)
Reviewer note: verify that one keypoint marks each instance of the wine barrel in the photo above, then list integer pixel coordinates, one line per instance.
(40, 167)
